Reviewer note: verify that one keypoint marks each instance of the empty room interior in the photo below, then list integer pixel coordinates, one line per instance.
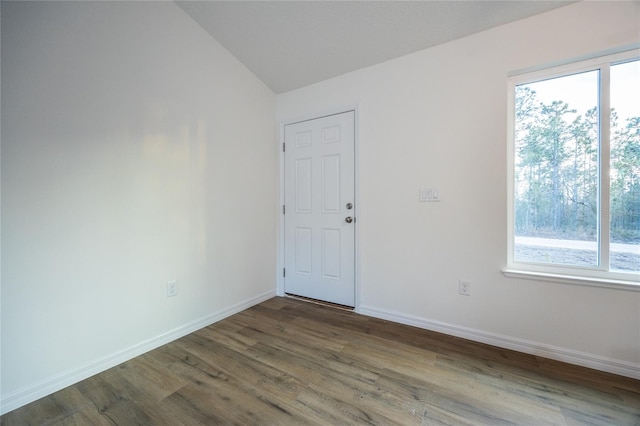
(347, 202)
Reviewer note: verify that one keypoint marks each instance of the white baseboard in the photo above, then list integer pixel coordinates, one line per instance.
(27, 394)
(610, 365)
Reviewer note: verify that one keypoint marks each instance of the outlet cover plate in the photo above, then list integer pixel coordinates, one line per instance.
(464, 288)
(172, 288)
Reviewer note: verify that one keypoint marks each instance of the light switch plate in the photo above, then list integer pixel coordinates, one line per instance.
(429, 195)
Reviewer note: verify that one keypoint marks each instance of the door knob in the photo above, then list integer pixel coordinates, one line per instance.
(348, 219)
(349, 206)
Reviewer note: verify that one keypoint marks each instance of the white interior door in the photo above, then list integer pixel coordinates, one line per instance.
(319, 219)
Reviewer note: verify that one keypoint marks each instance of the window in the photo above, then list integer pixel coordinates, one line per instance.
(574, 170)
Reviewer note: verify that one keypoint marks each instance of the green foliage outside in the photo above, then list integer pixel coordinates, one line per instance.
(556, 185)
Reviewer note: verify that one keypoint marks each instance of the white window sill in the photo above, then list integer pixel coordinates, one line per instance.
(573, 279)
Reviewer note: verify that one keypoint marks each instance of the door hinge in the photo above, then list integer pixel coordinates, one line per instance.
(284, 272)
(283, 148)
(283, 209)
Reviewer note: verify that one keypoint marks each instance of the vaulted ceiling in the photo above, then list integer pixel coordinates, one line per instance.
(291, 44)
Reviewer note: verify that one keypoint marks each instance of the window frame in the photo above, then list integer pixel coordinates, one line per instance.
(599, 275)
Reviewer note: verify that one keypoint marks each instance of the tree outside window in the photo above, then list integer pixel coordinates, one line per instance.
(559, 172)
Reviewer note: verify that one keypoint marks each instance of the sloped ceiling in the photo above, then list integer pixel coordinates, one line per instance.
(291, 44)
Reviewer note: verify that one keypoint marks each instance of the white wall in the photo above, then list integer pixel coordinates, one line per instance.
(438, 118)
(135, 150)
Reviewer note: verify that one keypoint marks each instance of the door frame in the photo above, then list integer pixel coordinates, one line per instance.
(280, 230)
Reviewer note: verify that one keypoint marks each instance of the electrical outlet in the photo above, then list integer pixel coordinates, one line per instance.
(464, 288)
(172, 288)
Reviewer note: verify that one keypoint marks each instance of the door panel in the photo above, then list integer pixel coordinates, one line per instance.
(330, 184)
(303, 251)
(303, 186)
(319, 196)
(331, 254)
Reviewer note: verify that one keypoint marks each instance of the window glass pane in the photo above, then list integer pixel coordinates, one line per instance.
(625, 167)
(556, 171)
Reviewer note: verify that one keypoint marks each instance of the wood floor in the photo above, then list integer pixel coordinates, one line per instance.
(288, 362)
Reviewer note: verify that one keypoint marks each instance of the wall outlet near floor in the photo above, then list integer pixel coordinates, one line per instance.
(172, 288)
(464, 288)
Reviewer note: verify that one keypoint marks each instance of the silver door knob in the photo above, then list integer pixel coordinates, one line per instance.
(348, 219)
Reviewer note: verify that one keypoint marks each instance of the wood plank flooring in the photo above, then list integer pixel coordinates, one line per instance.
(288, 362)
